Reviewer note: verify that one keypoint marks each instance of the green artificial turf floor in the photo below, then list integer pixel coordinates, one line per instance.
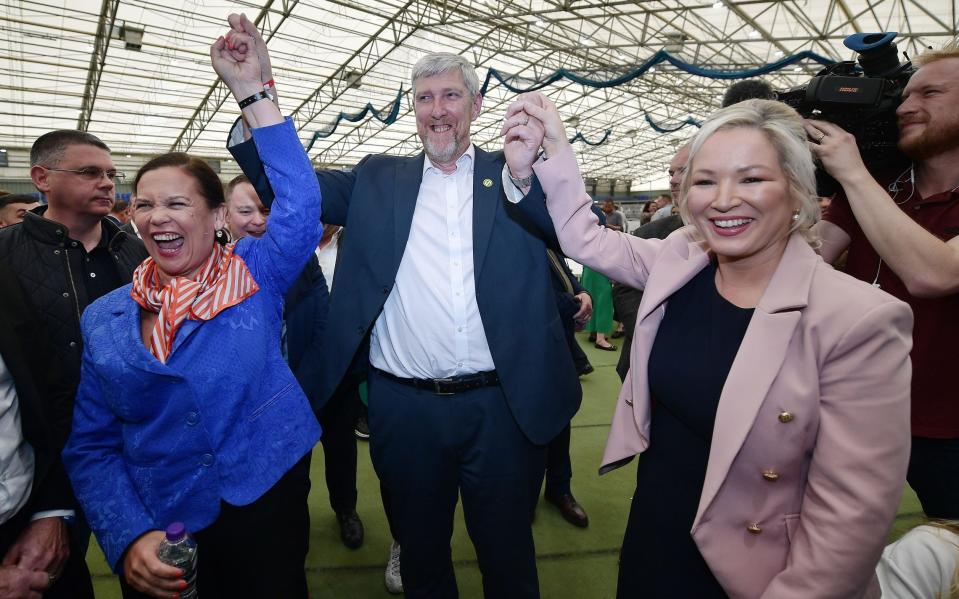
(573, 563)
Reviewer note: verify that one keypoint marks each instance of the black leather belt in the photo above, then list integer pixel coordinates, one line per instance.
(449, 385)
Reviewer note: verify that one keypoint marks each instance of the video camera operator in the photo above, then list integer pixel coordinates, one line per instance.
(902, 233)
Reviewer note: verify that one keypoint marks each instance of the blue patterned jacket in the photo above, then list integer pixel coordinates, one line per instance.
(224, 419)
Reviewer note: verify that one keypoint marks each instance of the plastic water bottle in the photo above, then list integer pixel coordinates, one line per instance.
(178, 549)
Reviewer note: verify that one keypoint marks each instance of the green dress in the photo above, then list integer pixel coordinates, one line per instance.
(600, 290)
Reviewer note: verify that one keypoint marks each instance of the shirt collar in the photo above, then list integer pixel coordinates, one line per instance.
(464, 161)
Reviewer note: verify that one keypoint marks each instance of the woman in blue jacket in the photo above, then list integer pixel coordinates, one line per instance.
(186, 409)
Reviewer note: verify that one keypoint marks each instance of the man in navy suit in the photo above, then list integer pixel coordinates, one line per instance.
(449, 307)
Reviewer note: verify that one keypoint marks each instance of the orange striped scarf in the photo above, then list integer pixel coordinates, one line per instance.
(223, 281)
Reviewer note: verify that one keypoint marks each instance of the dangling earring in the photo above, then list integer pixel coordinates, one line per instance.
(796, 216)
(222, 236)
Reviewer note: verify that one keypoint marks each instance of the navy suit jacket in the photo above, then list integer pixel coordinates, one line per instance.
(517, 303)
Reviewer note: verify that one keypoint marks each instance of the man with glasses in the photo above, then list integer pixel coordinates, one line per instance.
(65, 255)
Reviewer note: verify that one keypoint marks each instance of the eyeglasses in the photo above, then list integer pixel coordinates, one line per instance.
(91, 173)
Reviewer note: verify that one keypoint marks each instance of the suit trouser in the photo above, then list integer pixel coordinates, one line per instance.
(559, 468)
(428, 449)
(74, 581)
(339, 448)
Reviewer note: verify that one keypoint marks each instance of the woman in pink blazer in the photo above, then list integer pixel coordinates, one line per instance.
(773, 408)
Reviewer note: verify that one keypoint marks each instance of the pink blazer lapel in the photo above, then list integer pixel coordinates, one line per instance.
(679, 262)
(758, 362)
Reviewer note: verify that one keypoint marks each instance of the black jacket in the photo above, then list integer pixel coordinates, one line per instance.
(44, 394)
(48, 266)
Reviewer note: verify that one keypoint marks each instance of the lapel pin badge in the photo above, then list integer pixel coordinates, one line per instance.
(487, 182)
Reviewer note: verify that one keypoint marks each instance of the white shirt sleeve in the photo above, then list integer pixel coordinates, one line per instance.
(920, 565)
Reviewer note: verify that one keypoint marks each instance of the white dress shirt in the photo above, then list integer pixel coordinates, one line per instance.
(430, 326)
(16, 455)
(327, 258)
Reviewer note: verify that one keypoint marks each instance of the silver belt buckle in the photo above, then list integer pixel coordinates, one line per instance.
(436, 385)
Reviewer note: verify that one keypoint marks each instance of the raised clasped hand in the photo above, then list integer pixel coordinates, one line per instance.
(532, 120)
(236, 60)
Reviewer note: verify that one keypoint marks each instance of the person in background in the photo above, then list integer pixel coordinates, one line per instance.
(902, 235)
(208, 426)
(626, 299)
(748, 89)
(648, 209)
(36, 397)
(120, 213)
(615, 219)
(305, 310)
(575, 308)
(65, 255)
(767, 392)
(14, 207)
(922, 564)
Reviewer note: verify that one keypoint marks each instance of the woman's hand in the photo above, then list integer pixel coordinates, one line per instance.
(146, 573)
(239, 23)
(236, 61)
(539, 107)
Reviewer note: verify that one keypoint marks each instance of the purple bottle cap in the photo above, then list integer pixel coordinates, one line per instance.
(175, 532)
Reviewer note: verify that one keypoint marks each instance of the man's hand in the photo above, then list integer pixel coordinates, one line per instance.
(17, 583)
(43, 545)
(144, 570)
(523, 137)
(836, 148)
(585, 311)
(542, 110)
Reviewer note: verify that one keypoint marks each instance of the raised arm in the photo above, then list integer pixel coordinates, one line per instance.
(928, 265)
(294, 226)
(619, 256)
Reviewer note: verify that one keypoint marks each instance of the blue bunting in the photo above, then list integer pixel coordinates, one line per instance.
(663, 129)
(579, 137)
(389, 119)
(655, 59)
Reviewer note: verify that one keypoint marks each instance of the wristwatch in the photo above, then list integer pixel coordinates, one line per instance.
(520, 183)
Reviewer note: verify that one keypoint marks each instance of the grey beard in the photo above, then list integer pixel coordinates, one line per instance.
(442, 154)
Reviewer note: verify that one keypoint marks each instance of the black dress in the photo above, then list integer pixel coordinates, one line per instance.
(690, 360)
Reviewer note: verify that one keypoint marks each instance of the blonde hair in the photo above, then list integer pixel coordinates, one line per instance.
(783, 127)
(949, 50)
(953, 527)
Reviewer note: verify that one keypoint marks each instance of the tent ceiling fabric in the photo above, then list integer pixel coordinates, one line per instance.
(64, 66)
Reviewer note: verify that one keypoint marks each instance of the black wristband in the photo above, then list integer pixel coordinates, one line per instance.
(255, 98)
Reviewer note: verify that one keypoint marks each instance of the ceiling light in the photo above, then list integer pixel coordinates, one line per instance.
(797, 69)
(753, 33)
(3, 150)
(129, 155)
(778, 52)
(540, 23)
(587, 41)
(718, 4)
